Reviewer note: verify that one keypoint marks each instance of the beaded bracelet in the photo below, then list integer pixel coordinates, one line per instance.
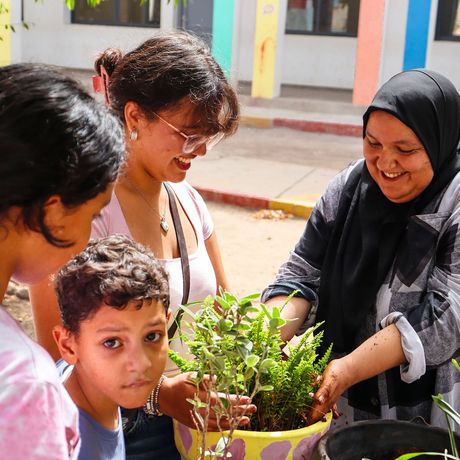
(152, 407)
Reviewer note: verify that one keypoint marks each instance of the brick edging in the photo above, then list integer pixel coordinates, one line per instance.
(237, 199)
(341, 129)
(298, 208)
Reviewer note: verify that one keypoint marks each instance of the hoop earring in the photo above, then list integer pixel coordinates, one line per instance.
(133, 134)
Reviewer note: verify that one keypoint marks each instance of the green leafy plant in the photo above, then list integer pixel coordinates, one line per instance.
(452, 416)
(237, 350)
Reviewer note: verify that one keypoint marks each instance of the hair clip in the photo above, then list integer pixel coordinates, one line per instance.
(101, 84)
(98, 84)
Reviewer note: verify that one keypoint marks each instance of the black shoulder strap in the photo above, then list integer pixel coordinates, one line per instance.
(183, 257)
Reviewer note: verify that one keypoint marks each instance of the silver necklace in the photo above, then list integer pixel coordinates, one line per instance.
(163, 223)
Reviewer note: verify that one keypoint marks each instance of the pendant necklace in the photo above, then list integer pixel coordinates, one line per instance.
(163, 223)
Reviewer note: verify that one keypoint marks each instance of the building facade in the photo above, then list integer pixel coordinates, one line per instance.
(350, 44)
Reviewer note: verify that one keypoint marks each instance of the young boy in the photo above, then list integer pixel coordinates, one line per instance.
(114, 303)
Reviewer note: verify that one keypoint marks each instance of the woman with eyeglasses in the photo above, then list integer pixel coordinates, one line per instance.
(175, 104)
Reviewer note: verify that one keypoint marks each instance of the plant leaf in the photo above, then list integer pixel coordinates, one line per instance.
(266, 365)
(455, 363)
(432, 454)
(447, 408)
(251, 360)
(266, 388)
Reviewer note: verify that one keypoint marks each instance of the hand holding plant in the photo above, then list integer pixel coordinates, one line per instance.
(180, 409)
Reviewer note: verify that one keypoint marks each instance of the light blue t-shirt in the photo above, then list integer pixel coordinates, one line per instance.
(97, 442)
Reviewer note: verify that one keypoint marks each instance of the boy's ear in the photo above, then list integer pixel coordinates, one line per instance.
(66, 343)
(168, 315)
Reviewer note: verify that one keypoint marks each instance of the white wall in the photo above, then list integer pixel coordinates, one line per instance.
(16, 37)
(315, 60)
(246, 36)
(394, 36)
(445, 58)
(54, 40)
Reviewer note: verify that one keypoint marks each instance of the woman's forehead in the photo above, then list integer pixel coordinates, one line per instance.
(185, 115)
(385, 124)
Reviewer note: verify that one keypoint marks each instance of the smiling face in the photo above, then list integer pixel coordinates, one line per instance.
(119, 355)
(395, 158)
(158, 147)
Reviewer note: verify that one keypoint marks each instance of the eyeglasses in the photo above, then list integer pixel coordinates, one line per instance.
(195, 141)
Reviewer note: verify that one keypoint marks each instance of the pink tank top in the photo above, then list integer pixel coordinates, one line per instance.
(202, 276)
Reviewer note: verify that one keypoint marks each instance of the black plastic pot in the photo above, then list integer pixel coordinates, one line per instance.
(382, 440)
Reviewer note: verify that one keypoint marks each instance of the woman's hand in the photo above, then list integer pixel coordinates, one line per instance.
(335, 380)
(176, 390)
(377, 354)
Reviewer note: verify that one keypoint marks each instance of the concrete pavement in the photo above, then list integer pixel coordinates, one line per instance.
(271, 184)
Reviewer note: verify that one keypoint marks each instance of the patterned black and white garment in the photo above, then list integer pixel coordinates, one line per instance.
(423, 301)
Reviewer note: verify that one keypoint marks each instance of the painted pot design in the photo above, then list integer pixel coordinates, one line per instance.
(252, 445)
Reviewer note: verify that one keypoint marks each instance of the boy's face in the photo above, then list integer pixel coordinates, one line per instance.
(121, 354)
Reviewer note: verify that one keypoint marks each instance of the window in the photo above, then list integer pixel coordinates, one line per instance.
(323, 17)
(118, 13)
(448, 24)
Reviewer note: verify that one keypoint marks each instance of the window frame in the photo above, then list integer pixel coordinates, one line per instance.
(316, 20)
(438, 36)
(116, 19)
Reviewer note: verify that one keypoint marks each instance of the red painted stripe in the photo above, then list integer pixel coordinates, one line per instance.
(237, 199)
(341, 129)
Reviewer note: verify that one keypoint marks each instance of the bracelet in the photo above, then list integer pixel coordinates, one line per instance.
(152, 407)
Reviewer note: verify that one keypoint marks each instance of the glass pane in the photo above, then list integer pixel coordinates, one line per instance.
(104, 13)
(132, 12)
(300, 15)
(456, 31)
(448, 24)
(339, 16)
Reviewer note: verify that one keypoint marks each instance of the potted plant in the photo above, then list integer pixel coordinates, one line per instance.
(237, 350)
(393, 439)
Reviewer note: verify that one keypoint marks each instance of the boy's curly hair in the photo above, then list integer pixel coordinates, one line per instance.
(111, 271)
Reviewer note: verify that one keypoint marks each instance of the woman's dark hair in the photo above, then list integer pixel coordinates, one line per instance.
(165, 70)
(113, 271)
(56, 140)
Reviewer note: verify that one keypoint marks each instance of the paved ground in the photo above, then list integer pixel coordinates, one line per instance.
(277, 163)
(253, 249)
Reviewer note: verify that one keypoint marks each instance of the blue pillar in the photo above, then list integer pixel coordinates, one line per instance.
(417, 28)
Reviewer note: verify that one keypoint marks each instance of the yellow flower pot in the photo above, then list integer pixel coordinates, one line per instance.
(252, 445)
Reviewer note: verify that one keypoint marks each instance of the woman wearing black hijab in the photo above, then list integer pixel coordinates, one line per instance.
(379, 260)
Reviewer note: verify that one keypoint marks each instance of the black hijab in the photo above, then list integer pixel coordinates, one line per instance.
(369, 230)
